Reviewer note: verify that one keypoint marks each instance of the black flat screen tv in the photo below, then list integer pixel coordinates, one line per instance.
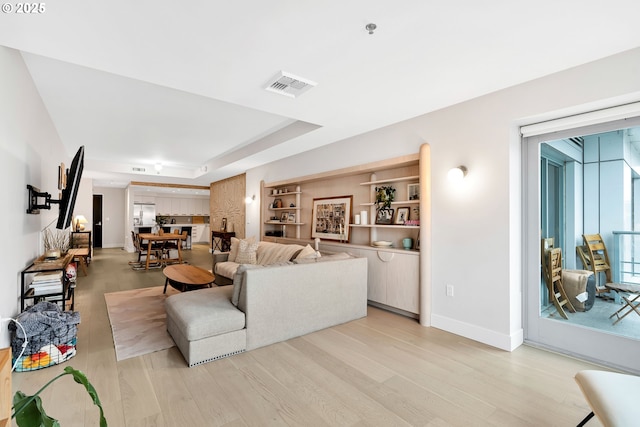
(70, 192)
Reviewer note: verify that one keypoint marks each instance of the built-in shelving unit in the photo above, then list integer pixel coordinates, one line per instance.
(273, 219)
(393, 272)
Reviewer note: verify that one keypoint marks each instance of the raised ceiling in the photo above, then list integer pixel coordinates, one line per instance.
(183, 84)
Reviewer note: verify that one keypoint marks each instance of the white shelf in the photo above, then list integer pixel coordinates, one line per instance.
(384, 226)
(284, 194)
(401, 202)
(283, 223)
(285, 209)
(386, 181)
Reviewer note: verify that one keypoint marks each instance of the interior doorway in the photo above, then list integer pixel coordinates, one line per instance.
(97, 220)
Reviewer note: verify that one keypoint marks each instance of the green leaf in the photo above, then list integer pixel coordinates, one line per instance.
(32, 413)
(28, 410)
(81, 378)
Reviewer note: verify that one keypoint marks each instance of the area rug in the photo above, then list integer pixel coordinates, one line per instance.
(138, 321)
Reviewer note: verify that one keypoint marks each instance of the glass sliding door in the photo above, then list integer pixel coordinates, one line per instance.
(582, 181)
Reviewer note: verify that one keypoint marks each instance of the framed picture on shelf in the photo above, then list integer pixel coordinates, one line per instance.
(292, 217)
(402, 215)
(384, 216)
(223, 225)
(331, 218)
(413, 191)
(284, 216)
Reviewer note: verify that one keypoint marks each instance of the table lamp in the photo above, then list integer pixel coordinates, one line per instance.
(80, 221)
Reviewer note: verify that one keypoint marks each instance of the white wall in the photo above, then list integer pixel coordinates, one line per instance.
(477, 227)
(30, 152)
(84, 202)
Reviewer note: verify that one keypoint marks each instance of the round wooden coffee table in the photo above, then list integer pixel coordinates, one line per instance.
(185, 277)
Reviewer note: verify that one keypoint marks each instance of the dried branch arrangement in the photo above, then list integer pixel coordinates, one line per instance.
(56, 239)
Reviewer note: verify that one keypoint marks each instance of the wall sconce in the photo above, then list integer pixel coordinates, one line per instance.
(457, 174)
(158, 167)
(80, 221)
(249, 199)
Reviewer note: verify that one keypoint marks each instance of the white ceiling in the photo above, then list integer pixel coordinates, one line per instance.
(182, 83)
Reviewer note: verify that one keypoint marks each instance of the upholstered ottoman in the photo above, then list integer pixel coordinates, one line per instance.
(205, 325)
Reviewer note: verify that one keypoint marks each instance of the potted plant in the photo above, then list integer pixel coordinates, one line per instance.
(28, 410)
(384, 197)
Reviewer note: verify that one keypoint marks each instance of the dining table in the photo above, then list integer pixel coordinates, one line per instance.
(152, 238)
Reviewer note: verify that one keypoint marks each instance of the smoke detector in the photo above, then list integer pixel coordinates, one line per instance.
(289, 85)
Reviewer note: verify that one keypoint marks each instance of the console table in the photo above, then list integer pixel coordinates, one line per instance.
(221, 240)
(42, 265)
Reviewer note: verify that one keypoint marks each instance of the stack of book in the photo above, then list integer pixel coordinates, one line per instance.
(47, 282)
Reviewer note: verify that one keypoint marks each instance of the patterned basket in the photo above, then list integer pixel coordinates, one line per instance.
(47, 356)
(51, 336)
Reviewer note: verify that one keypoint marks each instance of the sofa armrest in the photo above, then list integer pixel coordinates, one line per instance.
(218, 257)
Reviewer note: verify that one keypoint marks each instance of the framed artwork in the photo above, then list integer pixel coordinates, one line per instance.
(331, 218)
(413, 191)
(62, 177)
(402, 216)
(384, 216)
(223, 225)
(284, 216)
(292, 217)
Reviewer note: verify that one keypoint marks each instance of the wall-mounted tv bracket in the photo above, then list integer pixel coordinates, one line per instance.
(35, 193)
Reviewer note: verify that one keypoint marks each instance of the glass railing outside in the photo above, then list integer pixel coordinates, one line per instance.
(625, 258)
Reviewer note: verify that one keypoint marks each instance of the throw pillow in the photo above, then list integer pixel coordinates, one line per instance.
(247, 252)
(307, 252)
(233, 252)
(235, 246)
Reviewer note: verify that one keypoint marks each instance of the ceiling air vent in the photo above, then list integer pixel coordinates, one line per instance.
(139, 169)
(289, 85)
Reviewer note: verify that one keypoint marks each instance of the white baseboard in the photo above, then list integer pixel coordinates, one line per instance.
(476, 333)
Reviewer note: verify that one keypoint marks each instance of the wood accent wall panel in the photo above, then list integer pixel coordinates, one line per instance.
(227, 201)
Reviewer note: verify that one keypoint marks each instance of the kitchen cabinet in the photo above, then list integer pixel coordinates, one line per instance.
(163, 206)
(139, 198)
(206, 233)
(202, 207)
(186, 207)
(183, 206)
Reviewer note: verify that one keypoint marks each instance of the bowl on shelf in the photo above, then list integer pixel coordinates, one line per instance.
(381, 243)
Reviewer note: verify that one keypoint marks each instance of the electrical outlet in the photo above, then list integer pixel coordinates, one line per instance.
(449, 290)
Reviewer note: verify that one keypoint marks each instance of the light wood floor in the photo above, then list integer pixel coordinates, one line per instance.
(383, 370)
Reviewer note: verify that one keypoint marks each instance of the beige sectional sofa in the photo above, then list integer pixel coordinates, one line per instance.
(268, 304)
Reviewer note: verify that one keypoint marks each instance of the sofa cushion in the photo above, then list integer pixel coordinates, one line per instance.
(226, 269)
(307, 252)
(271, 253)
(247, 252)
(205, 312)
